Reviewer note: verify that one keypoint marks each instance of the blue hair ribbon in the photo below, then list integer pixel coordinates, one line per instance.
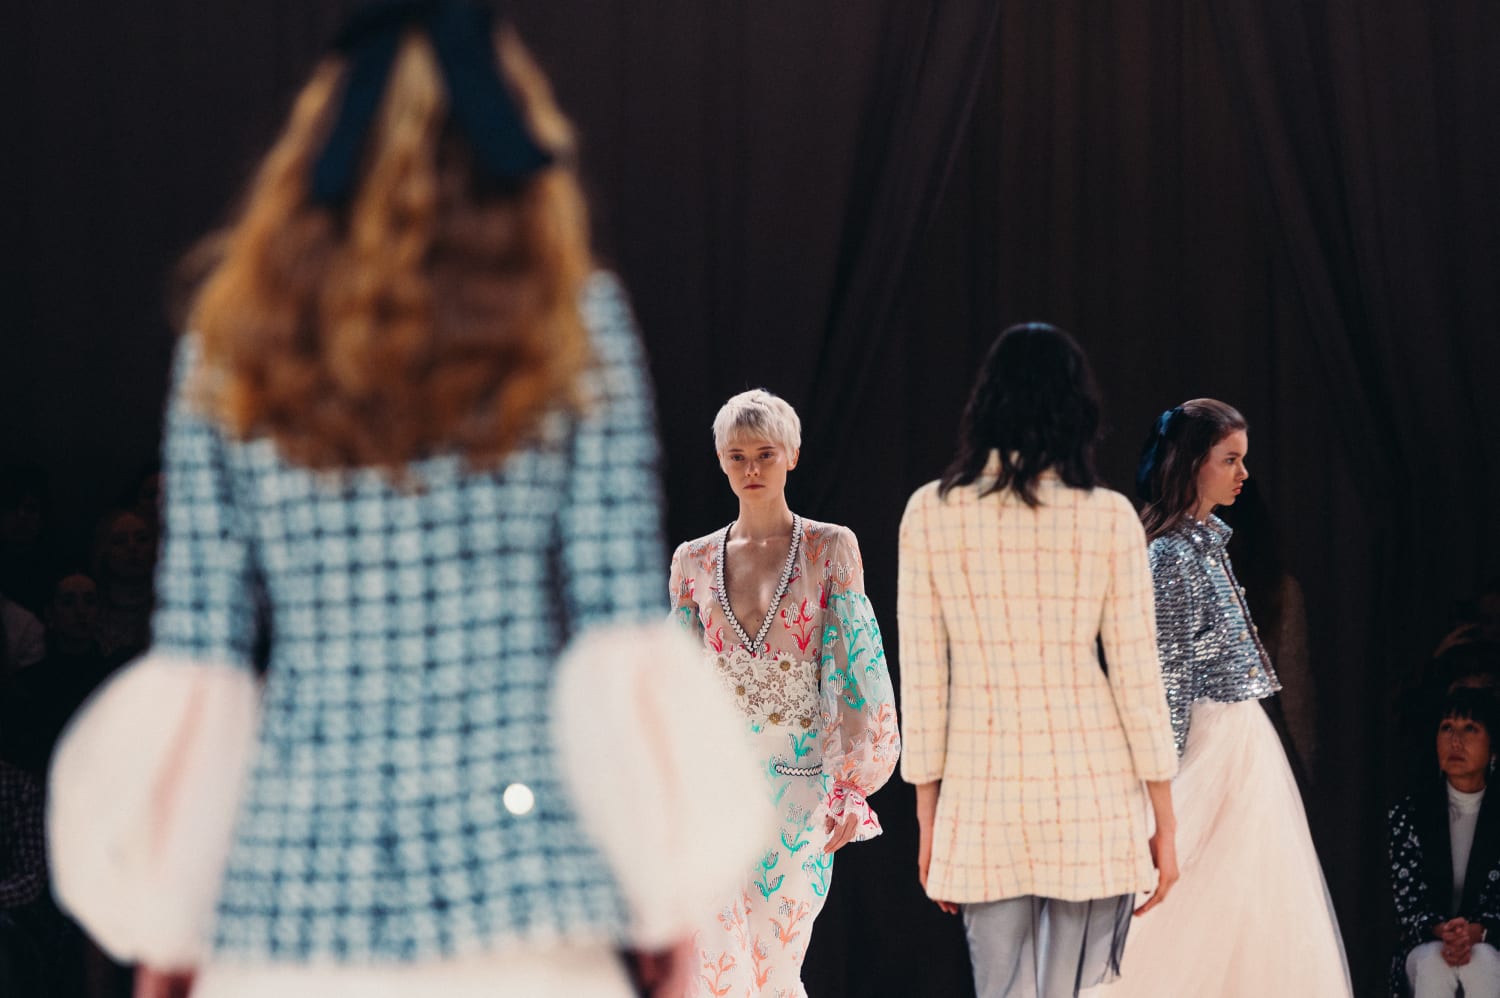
(478, 99)
(1151, 456)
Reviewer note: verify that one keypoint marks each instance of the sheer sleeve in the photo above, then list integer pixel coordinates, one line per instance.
(858, 704)
(680, 585)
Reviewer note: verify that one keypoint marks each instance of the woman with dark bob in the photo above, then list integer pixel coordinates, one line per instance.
(1445, 862)
(1034, 761)
(1251, 915)
(400, 687)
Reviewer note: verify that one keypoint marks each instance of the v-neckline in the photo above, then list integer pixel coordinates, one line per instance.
(781, 587)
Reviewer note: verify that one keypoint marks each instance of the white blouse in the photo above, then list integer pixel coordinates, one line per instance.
(1463, 816)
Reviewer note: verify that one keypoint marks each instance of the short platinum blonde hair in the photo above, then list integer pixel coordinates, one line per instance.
(757, 413)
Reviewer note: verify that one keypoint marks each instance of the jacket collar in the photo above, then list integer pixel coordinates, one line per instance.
(1437, 850)
(1484, 854)
(1208, 537)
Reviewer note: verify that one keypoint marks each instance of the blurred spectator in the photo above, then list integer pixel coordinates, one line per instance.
(143, 495)
(23, 506)
(22, 640)
(124, 562)
(72, 615)
(1479, 621)
(23, 866)
(32, 933)
(43, 698)
(1469, 663)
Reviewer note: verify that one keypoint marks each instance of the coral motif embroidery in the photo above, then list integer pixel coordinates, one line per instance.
(800, 623)
(820, 711)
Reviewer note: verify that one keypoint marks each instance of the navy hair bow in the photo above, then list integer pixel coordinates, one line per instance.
(462, 36)
(1151, 456)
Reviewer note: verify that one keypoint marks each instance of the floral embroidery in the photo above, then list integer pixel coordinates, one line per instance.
(770, 691)
(819, 707)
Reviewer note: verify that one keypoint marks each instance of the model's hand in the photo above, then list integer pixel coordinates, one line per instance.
(151, 983)
(927, 817)
(840, 835)
(1164, 858)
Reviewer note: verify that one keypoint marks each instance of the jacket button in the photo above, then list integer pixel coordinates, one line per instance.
(518, 798)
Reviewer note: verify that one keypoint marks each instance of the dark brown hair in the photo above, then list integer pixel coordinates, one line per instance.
(1175, 450)
(1472, 703)
(437, 311)
(1034, 402)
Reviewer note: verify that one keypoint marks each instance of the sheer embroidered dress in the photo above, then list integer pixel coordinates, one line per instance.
(815, 691)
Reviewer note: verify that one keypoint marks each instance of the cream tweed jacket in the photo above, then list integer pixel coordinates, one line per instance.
(1002, 611)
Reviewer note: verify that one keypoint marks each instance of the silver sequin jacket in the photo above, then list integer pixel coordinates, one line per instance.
(1209, 646)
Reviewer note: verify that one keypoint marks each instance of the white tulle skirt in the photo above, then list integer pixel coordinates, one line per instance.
(1251, 915)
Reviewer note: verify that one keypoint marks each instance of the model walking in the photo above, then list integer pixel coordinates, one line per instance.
(1033, 762)
(778, 602)
(409, 458)
(1251, 915)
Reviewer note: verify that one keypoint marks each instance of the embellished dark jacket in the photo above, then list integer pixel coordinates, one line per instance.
(1422, 871)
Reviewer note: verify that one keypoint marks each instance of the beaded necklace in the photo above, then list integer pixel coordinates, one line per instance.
(781, 587)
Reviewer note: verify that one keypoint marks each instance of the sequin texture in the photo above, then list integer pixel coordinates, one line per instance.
(1209, 646)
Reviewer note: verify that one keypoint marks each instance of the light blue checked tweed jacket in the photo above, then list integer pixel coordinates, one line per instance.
(410, 636)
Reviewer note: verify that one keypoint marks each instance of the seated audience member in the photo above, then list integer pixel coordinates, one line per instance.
(1445, 862)
(124, 562)
(1479, 621)
(22, 636)
(1474, 663)
(23, 505)
(143, 495)
(23, 882)
(42, 699)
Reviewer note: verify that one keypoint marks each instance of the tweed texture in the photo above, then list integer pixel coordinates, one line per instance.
(409, 630)
(1002, 609)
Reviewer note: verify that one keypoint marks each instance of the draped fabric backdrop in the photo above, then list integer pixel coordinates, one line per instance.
(1283, 205)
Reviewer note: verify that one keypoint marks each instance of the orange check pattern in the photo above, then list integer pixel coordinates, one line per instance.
(1002, 609)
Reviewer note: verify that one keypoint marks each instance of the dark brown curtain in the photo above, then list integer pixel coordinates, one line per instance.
(1373, 136)
(1285, 206)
